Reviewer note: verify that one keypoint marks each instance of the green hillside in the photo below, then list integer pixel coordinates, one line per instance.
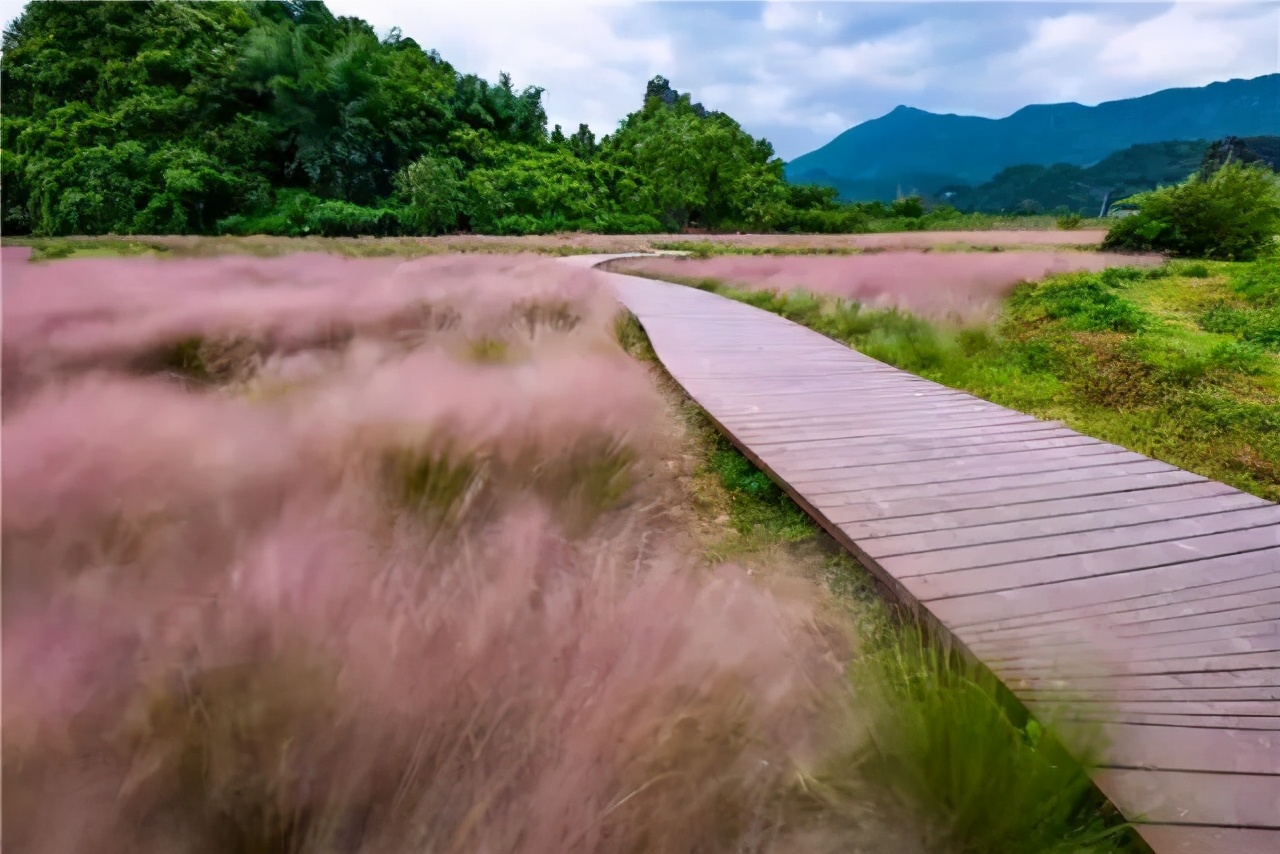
(1029, 188)
(911, 150)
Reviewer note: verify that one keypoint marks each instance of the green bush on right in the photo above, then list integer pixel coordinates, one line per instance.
(1232, 215)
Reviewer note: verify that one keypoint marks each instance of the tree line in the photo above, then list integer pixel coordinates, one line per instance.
(282, 118)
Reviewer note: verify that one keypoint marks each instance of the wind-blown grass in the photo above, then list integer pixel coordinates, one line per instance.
(366, 593)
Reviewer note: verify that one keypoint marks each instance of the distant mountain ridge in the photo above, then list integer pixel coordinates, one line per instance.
(910, 150)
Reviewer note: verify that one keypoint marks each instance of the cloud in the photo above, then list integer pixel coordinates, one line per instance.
(1106, 54)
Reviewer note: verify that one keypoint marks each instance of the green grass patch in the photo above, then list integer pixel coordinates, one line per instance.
(949, 736)
(56, 249)
(757, 505)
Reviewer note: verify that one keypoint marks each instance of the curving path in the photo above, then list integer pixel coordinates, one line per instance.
(1136, 596)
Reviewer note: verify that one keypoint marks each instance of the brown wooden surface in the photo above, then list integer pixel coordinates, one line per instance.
(1116, 590)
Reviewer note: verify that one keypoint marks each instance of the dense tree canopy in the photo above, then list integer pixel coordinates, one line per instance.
(279, 117)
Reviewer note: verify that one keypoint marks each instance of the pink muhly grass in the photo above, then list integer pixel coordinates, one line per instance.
(225, 627)
(109, 311)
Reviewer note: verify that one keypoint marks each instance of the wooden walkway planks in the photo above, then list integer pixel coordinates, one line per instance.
(1086, 576)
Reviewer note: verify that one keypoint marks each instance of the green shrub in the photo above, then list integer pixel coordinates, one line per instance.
(343, 219)
(1259, 325)
(287, 218)
(842, 220)
(1260, 281)
(1241, 357)
(804, 308)
(1232, 215)
(621, 223)
(1070, 222)
(975, 340)
(1084, 301)
(904, 340)
(910, 207)
(846, 321)
(434, 195)
(1117, 277)
(1224, 319)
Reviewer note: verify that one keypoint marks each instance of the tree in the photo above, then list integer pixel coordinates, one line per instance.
(434, 194)
(698, 167)
(1233, 215)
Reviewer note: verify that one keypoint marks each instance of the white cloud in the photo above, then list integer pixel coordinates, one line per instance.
(902, 61)
(1099, 56)
(1191, 42)
(781, 16)
(1056, 36)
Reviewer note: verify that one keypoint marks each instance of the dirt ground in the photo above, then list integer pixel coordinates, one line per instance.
(960, 285)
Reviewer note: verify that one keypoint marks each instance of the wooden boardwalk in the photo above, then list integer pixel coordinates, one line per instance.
(1121, 589)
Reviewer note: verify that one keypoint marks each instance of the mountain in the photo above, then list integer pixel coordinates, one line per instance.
(912, 150)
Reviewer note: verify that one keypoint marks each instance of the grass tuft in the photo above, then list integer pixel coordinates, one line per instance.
(946, 733)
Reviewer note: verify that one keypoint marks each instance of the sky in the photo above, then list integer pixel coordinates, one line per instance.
(799, 73)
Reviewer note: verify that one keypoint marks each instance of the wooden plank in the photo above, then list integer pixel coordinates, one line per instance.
(1167, 748)
(1192, 725)
(1042, 484)
(1032, 547)
(881, 453)
(1095, 516)
(971, 440)
(1037, 572)
(1169, 684)
(762, 437)
(1219, 584)
(1249, 623)
(1183, 797)
(1081, 672)
(1210, 611)
(968, 476)
(1256, 707)
(1085, 596)
(1227, 582)
(941, 468)
(1132, 480)
(1183, 839)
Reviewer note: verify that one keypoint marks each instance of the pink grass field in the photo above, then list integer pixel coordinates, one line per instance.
(371, 588)
(937, 285)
